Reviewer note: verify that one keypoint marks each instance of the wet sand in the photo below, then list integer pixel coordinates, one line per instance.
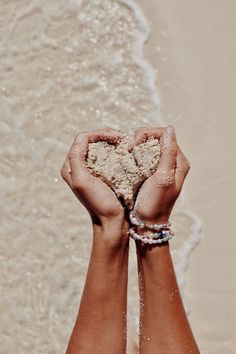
(193, 48)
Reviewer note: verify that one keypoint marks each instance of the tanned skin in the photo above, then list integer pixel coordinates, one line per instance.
(100, 327)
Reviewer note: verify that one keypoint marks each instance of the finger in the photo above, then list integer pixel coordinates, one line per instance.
(76, 157)
(108, 135)
(182, 169)
(169, 149)
(66, 172)
(105, 134)
(101, 134)
(142, 134)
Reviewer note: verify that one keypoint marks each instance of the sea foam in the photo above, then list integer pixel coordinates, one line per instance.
(66, 66)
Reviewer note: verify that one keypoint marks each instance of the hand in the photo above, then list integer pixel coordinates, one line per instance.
(100, 201)
(159, 192)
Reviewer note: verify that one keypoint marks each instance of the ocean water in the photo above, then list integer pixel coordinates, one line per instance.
(66, 67)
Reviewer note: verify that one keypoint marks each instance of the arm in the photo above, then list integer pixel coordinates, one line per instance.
(101, 322)
(100, 326)
(164, 327)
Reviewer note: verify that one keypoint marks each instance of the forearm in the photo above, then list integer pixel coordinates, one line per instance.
(101, 323)
(164, 326)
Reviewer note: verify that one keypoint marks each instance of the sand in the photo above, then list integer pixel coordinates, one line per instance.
(193, 48)
(62, 72)
(122, 170)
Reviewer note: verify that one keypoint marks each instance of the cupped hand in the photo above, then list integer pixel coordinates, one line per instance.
(159, 192)
(100, 201)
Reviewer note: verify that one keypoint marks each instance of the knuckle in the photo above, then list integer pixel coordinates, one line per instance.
(183, 160)
(184, 166)
(186, 163)
(64, 172)
(188, 167)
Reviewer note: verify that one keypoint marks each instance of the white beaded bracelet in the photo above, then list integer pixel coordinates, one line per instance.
(164, 236)
(137, 222)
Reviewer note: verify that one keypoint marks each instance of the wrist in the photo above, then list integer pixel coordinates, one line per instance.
(150, 218)
(155, 219)
(112, 232)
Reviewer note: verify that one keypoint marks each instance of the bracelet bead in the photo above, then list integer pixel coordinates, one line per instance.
(159, 232)
(137, 222)
(161, 238)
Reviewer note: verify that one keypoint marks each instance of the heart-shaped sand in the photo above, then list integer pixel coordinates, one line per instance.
(122, 170)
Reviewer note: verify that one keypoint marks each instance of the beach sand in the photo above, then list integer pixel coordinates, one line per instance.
(62, 72)
(192, 46)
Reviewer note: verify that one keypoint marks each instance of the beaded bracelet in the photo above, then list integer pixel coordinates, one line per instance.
(137, 222)
(164, 236)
